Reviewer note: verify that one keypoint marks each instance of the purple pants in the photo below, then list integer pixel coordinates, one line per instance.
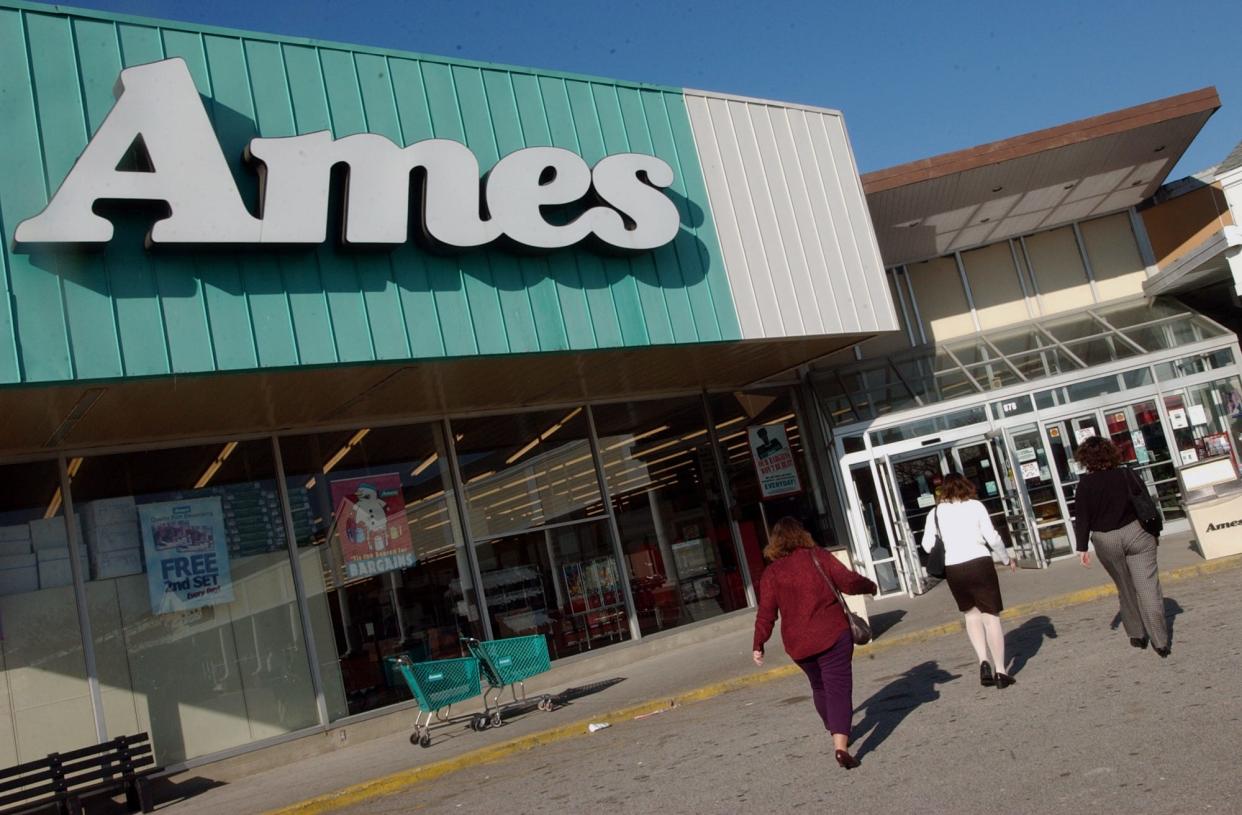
(832, 682)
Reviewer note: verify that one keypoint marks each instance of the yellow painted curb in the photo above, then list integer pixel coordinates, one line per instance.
(405, 779)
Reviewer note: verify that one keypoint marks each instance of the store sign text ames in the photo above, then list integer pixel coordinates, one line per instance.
(159, 105)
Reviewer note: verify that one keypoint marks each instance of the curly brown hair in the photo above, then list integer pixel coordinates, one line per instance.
(1097, 454)
(957, 488)
(787, 536)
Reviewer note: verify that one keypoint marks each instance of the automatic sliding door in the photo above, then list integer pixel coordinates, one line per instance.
(881, 550)
(1036, 475)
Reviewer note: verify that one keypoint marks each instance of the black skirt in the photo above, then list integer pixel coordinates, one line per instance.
(974, 585)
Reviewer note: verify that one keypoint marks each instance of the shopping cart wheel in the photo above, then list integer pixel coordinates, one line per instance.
(546, 704)
(497, 721)
(416, 736)
(478, 722)
(425, 741)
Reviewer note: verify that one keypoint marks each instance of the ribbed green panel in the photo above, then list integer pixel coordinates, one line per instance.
(126, 312)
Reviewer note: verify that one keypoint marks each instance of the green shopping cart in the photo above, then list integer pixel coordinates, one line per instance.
(508, 663)
(437, 685)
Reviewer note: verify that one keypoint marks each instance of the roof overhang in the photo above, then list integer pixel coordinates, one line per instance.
(1216, 259)
(1036, 181)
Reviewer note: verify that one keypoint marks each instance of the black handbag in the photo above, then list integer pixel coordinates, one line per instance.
(935, 558)
(860, 629)
(1145, 509)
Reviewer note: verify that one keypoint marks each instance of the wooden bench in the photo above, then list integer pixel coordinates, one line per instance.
(63, 780)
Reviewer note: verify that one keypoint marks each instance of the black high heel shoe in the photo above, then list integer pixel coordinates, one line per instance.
(1138, 642)
(1004, 680)
(847, 761)
(986, 678)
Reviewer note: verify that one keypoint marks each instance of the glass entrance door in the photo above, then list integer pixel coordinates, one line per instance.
(917, 478)
(881, 551)
(1040, 494)
(1138, 431)
(994, 480)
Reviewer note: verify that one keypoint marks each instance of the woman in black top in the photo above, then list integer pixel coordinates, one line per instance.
(1103, 513)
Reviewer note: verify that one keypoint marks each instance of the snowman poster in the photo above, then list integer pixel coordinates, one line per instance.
(371, 525)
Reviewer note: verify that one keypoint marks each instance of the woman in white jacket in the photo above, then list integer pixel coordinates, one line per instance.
(969, 540)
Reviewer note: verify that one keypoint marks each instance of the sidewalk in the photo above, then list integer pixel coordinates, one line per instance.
(619, 683)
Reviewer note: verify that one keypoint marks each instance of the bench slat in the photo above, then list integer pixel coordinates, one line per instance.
(22, 769)
(32, 795)
(26, 781)
(114, 761)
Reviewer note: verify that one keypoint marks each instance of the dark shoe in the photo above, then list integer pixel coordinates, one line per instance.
(1164, 652)
(847, 761)
(1005, 680)
(986, 679)
(1138, 642)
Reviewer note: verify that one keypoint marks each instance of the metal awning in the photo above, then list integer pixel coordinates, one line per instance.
(1036, 181)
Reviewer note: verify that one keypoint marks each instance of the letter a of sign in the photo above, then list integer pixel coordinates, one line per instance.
(159, 103)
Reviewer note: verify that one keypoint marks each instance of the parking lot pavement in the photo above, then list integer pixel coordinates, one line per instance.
(1093, 725)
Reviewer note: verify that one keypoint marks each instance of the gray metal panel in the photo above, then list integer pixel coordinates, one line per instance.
(799, 248)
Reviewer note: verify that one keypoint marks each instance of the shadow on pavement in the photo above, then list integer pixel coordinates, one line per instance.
(885, 620)
(884, 712)
(1024, 642)
(567, 696)
(1172, 609)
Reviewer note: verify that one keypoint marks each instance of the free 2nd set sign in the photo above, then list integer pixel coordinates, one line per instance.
(187, 554)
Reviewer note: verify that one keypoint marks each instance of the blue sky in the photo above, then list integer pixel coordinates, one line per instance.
(913, 79)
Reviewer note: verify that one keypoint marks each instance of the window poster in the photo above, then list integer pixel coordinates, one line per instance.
(187, 554)
(1198, 415)
(371, 525)
(774, 461)
(1177, 418)
(1081, 434)
(1030, 470)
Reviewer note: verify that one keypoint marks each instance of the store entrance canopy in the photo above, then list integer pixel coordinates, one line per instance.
(1036, 181)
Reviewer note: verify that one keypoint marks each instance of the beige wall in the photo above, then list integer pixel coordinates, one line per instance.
(46, 704)
(1116, 264)
(1060, 277)
(995, 287)
(1056, 281)
(941, 299)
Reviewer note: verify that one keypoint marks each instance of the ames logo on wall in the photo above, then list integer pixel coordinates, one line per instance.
(1224, 525)
(618, 203)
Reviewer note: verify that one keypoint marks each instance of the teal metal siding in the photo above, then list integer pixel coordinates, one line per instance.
(125, 312)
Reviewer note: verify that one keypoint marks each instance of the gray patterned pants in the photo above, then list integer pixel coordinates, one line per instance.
(1128, 555)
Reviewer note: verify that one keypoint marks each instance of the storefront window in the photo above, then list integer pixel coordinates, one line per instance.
(1206, 420)
(670, 509)
(1188, 366)
(540, 527)
(382, 557)
(196, 629)
(765, 461)
(45, 704)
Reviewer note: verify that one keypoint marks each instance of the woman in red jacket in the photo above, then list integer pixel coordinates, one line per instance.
(815, 632)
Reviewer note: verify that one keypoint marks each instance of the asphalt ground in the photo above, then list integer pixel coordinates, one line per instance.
(1092, 725)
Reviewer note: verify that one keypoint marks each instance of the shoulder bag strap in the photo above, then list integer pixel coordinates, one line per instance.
(936, 520)
(823, 574)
